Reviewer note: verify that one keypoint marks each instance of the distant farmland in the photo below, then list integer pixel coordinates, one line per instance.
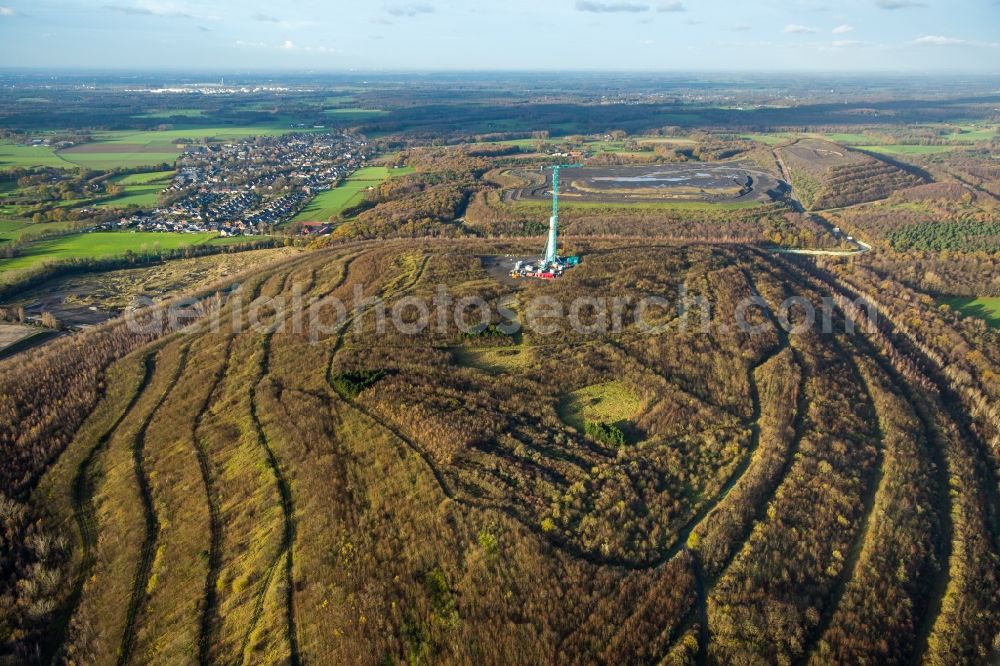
(132, 149)
(129, 149)
(332, 203)
(14, 156)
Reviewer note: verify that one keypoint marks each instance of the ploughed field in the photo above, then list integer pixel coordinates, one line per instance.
(321, 491)
(662, 183)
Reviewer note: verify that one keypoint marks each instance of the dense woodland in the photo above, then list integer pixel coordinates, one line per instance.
(781, 495)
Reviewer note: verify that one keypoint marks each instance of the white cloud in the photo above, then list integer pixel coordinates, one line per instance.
(609, 7)
(937, 40)
(796, 29)
(843, 29)
(671, 6)
(7, 11)
(940, 40)
(410, 10)
(289, 45)
(150, 8)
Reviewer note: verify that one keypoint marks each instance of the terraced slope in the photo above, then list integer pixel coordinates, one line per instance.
(828, 175)
(339, 493)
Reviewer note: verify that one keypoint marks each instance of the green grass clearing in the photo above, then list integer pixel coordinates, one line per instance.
(971, 133)
(13, 229)
(612, 402)
(984, 307)
(145, 178)
(332, 203)
(773, 138)
(849, 138)
(144, 196)
(141, 189)
(899, 149)
(99, 245)
(493, 359)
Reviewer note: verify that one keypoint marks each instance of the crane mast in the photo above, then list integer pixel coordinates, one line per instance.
(550, 265)
(551, 250)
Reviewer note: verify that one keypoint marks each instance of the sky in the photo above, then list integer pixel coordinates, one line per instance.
(503, 35)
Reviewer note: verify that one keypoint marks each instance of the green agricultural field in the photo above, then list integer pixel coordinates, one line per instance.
(985, 307)
(132, 149)
(194, 133)
(331, 203)
(12, 229)
(141, 189)
(101, 161)
(12, 156)
(972, 133)
(145, 196)
(771, 139)
(849, 138)
(664, 140)
(844, 138)
(99, 245)
(153, 177)
(520, 143)
(899, 149)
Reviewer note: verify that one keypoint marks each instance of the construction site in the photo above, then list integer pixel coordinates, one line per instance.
(550, 265)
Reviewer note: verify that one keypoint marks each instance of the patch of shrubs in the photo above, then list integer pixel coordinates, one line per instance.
(606, 433)
(350, 384)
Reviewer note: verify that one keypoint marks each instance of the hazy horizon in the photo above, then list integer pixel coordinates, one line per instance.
(669, 36)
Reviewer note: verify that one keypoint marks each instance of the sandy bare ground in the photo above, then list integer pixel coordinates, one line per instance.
(11, 333)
